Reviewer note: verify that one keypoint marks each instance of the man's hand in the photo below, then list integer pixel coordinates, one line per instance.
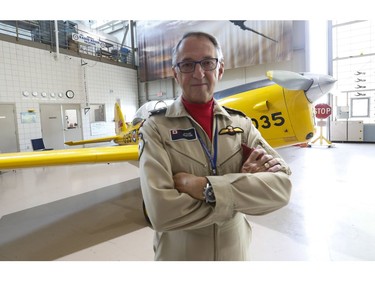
(260, 161)
(190, 184)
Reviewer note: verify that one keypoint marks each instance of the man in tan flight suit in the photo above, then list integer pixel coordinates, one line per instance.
(198, 177)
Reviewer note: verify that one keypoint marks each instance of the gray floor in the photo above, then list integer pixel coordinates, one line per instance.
(94, 212)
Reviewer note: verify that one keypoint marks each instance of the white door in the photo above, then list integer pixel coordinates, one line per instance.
(72, 123)
(8, 131)
(52, 126)
(60, 123)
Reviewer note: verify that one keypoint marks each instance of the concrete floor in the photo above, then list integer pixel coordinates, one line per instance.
(94, 212)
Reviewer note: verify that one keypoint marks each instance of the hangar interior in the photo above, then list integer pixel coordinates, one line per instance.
(79, 69)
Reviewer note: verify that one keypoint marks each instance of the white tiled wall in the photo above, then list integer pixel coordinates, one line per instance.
(33, 70)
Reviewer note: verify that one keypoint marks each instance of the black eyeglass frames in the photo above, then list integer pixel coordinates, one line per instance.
(189, 66)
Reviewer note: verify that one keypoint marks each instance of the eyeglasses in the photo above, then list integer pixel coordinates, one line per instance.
(189, 66)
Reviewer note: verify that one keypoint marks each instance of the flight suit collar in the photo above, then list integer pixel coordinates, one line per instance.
(177, 109)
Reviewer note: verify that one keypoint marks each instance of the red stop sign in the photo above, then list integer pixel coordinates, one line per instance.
(323, 110)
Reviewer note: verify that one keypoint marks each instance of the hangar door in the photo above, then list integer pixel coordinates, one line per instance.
(9, 141)
(60, 123)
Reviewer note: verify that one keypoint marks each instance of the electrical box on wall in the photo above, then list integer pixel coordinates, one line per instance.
(342, 112)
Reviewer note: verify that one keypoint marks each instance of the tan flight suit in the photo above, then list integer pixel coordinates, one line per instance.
(190, 229)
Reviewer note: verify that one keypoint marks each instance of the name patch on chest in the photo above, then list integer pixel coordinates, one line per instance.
(188, 134)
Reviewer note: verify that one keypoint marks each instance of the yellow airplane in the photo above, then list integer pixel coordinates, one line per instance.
(126, 133)
(280, 106)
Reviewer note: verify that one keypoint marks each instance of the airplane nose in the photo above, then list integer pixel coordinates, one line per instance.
(314, 85)
(322, 85)
(290, 80)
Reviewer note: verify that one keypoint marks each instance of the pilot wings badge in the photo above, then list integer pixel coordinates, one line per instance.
(229, 130)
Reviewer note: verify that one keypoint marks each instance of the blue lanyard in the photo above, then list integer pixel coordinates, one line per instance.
(213, 158)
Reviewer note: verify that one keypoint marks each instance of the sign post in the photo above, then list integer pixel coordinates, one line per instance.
(322, 111)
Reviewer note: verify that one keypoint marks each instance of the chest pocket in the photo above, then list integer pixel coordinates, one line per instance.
(230, 154)
(187, 156)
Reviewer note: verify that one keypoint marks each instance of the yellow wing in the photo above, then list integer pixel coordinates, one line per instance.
(97, 140)
(68, 156)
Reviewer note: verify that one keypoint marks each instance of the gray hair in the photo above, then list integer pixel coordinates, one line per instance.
(210, 37)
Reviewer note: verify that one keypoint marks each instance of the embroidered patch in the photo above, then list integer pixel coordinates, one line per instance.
(141, 145)
(188, 134)
(229, 130)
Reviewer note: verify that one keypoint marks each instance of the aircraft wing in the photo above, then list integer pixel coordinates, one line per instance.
(97, 140)
(68, 156)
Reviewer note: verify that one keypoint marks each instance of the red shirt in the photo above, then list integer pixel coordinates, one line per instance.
(202, 113)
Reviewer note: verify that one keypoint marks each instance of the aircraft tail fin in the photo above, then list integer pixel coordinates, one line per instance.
(119, 120)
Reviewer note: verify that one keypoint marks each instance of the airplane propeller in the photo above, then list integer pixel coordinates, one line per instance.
(290, 80)
(315, 86)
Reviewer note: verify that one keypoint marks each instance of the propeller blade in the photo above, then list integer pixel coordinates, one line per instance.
(290, 80)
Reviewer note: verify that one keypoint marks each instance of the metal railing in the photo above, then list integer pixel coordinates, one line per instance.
(69, 38)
